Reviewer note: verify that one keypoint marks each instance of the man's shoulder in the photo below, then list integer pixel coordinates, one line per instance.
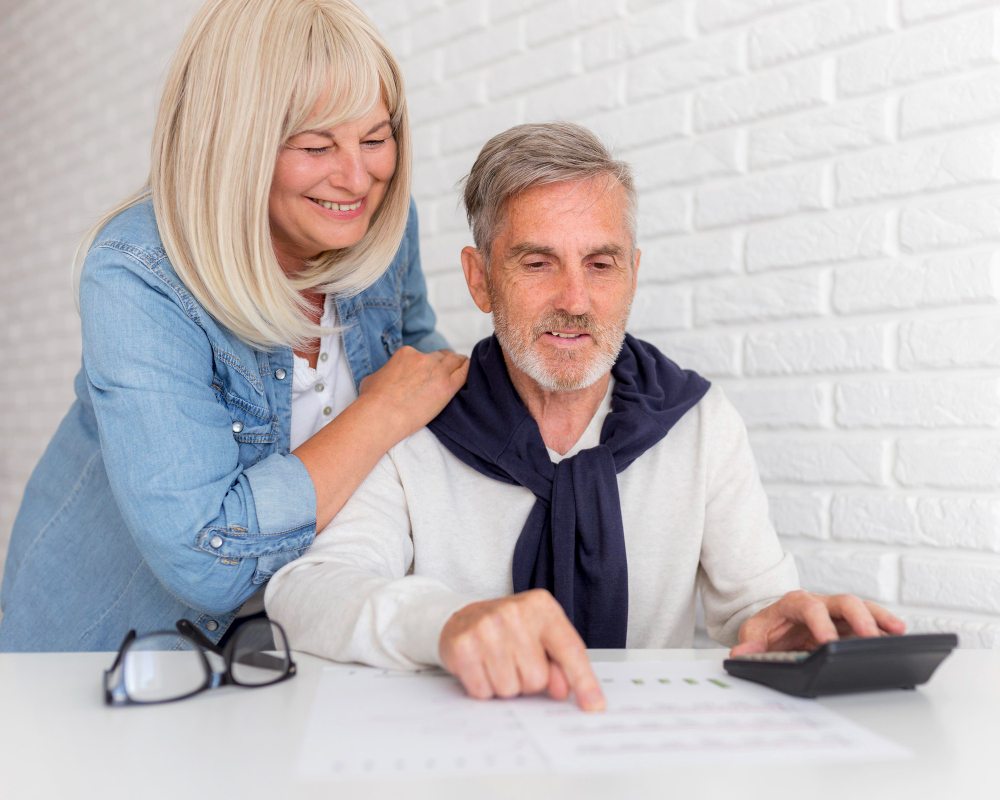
(425, 466)
(661, 351)
(420, 452)
(716, 421)
(714, 415)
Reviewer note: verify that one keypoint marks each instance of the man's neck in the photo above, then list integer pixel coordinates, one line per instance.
(562, 417)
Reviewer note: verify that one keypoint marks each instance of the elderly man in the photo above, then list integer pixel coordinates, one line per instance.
(580, 490)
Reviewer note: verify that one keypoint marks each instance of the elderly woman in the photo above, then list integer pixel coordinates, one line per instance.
(246, 320)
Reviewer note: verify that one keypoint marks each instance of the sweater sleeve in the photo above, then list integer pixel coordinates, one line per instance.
(350, 597)
(743, 566)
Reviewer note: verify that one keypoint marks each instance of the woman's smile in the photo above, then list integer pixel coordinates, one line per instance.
(331, 205)
(341, 210)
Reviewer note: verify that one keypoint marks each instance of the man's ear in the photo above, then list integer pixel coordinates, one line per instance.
(635, 267)
(474, 267)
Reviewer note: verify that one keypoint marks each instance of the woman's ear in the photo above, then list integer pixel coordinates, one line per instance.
(474, 267)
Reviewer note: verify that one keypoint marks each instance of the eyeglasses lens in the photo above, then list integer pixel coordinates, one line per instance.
(162, 667)
(260, 653)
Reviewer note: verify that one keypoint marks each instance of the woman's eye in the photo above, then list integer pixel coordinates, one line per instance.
(373, 144)
(315, 151)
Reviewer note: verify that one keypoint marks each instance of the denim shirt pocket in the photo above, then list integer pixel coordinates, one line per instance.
(383, 318)
(392, 338)
(255, 429)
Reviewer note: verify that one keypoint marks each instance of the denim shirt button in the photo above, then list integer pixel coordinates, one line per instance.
(215, 542)
(280, 374)
(211, 625)
(237, 426)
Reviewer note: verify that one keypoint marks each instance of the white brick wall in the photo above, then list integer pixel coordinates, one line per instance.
(819, 218)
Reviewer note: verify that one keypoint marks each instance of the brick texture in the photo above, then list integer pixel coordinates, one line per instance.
(947, 48)
(819, 218)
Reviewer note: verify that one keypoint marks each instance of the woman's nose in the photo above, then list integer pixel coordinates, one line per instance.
(350, 173)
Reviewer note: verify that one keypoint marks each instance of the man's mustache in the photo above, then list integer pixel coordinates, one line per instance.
(580, 323)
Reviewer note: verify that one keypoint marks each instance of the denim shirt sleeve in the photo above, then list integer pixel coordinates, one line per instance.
(204, 524)
(418, 316)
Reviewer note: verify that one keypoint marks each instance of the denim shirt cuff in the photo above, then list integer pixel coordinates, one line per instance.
(283, 496)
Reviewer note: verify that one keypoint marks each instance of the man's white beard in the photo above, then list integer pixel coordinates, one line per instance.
(608, 338)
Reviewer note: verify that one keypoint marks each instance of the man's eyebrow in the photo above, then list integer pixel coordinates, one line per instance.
(329, 134)
(608, 250)
(523, 248)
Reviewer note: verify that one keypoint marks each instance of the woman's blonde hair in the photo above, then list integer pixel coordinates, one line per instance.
(249, 75)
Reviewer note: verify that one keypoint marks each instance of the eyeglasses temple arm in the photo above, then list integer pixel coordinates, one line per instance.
(189, 629)
(264, 660)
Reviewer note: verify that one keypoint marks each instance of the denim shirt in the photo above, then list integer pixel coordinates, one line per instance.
(168, 490)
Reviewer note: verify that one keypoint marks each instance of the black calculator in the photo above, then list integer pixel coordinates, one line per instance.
(848, 665)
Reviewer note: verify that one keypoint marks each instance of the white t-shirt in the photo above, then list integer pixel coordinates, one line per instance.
(318, 395)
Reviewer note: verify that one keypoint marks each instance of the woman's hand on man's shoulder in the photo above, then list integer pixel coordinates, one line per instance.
(413, 387)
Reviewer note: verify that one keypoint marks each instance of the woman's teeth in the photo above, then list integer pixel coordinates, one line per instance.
(338, 206)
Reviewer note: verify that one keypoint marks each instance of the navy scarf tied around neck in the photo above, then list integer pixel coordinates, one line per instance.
(573, 542)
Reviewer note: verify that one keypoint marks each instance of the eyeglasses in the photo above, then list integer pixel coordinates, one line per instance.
(163, 666)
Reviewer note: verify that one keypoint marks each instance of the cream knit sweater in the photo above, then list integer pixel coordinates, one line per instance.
(425, 535)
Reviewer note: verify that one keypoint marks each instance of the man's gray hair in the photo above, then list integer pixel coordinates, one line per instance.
(534, 155)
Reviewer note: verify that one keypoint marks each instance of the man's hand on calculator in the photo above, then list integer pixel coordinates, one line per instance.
(803, 621)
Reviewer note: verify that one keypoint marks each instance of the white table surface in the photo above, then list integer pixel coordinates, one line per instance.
(58, 740)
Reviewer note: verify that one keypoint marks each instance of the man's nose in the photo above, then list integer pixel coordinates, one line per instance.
(573, 296)
(350, 173)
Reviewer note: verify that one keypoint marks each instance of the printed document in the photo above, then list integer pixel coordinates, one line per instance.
(378, 723)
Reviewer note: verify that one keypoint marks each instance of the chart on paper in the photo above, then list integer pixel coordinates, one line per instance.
(368, 722)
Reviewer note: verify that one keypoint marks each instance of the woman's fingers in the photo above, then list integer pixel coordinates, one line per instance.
(413, 387)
